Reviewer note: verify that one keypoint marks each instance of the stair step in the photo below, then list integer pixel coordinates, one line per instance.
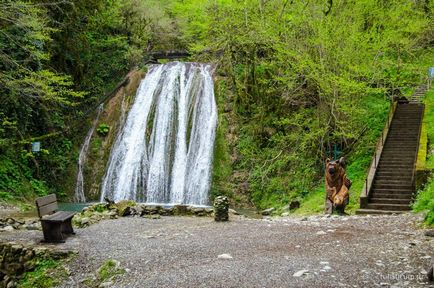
(404, 137)
(401, 140)
(388, 207)
(390, 182)
(408, 163)
(394, 190)
(393, 186)
(398, 167)
(397, 158)
(409, 155)
(377, 212)
(393, 175)
(393, 178)
(392, 196)
(390, 201)
(393, 148)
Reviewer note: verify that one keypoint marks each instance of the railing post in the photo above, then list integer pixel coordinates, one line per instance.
(366, 186)
(375, 159)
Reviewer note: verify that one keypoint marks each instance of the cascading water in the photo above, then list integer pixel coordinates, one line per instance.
(163, 153)
(79, 186)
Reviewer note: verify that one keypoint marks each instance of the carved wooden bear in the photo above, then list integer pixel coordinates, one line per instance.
(337, 186)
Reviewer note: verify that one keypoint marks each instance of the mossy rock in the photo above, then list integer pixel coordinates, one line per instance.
(124, 207)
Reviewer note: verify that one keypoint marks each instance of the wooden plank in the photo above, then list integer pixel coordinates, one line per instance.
(59, 216)
(47, 209)
(42, 201)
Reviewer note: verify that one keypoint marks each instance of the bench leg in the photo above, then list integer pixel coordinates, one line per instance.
(52, 232)
(67, 227)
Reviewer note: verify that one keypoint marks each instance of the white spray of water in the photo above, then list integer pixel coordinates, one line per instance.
(79, 186)
(163, 153)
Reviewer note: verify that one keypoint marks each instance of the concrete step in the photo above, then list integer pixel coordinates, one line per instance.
(393, 186)
(397, 158)
(400, 191)
(395, 181)
(391, 145)
(389, 201)
(403, 155)
(394, 148)
(394, 161)
(393, 178)
(405, 122)
(406, 137)
(377, 212)
(395, 167)
(394, 174)
(392, 196)
(389, 207)
(402, 130)
(400, 148)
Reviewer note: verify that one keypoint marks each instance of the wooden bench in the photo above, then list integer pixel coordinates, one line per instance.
(55, 224)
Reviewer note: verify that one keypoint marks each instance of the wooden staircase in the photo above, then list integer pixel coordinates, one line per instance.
(393, 184)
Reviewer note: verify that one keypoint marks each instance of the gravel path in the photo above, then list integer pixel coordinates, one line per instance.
(354, 251)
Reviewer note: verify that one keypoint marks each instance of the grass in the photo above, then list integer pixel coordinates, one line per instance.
(425, 198)
(107, 272)
(48, 273)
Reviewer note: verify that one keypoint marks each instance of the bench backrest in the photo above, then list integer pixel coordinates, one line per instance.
(46, 205)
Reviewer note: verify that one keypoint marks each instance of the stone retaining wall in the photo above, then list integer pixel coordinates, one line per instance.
(16, 259)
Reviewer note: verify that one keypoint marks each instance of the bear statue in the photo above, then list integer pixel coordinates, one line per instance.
(337, 186)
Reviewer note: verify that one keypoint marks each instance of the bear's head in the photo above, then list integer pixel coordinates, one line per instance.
(334, 168)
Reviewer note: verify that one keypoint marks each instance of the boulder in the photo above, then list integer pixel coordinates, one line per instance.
(267, 212)
(124, 207)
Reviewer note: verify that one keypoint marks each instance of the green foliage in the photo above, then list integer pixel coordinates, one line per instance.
(16, 181)
(425, 202)
(298, 76)
(103, 129)
(48, 273)
(305, 77)
(221, 163)
(425, 198)
(109, 270)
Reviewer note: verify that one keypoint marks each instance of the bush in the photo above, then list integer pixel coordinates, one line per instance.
(103, 129)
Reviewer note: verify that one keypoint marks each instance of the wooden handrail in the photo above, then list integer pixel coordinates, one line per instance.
(364, 195)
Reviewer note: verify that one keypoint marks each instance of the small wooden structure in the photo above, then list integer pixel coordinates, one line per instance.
(55, 224)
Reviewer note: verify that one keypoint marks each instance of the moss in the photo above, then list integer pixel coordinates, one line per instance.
(221, 166)
(47, 273)
(108, 271)
(123, 206)
(425, 199)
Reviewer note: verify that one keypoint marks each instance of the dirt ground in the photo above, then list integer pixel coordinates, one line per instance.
(316, 251)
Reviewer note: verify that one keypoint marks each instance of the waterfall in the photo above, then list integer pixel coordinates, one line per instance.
(79, 186)
(163, 153)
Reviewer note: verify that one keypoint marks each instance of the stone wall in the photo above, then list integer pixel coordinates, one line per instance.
(95, 213)
(16, 259)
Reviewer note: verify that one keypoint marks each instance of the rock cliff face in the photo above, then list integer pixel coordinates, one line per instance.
(113, 115)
